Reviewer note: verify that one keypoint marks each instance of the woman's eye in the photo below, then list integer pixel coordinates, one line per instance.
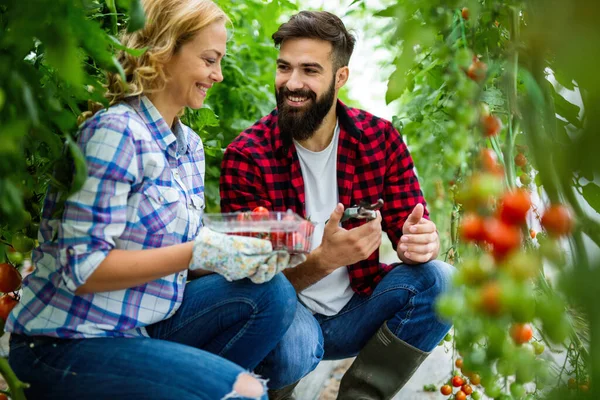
(210, 60)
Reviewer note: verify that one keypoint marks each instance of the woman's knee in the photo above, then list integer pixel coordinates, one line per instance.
(247, 385)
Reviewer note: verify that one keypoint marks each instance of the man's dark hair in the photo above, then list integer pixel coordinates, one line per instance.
(319, 25)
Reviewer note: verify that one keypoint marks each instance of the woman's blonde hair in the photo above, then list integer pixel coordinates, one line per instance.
(169, 25)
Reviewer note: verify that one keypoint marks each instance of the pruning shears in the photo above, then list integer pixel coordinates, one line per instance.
(364, 210)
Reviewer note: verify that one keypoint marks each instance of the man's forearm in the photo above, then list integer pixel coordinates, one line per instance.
(306, 274)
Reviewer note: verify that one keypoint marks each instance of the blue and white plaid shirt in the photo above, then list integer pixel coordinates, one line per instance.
(145, 189)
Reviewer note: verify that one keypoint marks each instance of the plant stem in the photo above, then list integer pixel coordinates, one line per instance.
(15, 385)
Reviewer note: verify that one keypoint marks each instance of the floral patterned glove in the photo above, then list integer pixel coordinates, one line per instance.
(238, 257)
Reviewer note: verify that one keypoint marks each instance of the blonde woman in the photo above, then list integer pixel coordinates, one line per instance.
(109, 312)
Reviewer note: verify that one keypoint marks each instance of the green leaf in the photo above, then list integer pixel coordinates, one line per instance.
(204, 117)
(117, 65)
(391, 11)
(493, 97)
(137, 18)
(396, 86)
(134, 52)
(80, 173)
(591, 193)
(565, 109)
(61, 53)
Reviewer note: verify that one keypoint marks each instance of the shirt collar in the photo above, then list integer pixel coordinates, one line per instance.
(155, 122)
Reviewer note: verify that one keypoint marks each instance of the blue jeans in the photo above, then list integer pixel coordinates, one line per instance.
(404, 298)
(220, 330)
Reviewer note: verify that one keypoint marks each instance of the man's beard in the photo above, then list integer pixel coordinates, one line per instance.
(301, 123)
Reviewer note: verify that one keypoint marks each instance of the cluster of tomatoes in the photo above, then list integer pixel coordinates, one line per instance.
(286, 231)
(494, 303)
(464, 384)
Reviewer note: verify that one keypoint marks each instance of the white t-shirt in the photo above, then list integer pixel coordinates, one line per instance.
(319, 171)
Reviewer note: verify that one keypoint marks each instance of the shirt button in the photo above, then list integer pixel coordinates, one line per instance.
(177, 173)
(161, 199)
(71, 251)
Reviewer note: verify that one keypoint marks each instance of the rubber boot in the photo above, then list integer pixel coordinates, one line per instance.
(381, 368)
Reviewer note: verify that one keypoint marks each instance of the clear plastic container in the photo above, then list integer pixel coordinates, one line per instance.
(286, 230)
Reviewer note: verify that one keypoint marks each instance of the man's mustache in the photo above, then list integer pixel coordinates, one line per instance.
(298, 93)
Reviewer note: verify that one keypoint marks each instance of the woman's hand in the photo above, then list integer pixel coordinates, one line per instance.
(238, 257)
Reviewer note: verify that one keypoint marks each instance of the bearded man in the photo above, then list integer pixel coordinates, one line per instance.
(317, 156)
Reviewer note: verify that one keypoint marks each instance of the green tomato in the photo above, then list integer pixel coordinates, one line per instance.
(22, 243)
(464, 57)
(449, 306)
(538, 348)
(517, 390)
(14, 257)
(476, 396)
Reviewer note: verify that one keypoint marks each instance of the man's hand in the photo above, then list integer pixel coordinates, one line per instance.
(420, 241)
(341, 247)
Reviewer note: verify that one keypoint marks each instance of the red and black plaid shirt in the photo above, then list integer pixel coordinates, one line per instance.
(373, 162)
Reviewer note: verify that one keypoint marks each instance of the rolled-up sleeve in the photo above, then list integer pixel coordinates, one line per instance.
(97, 214)
(402, 189)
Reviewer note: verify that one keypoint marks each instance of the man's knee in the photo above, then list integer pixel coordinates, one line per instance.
(297, 354)
(281, 300)
(441, 275)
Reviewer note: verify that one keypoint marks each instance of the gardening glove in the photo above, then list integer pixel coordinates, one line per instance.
(237, 257)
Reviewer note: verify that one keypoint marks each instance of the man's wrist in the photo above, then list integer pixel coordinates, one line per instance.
(316, 257)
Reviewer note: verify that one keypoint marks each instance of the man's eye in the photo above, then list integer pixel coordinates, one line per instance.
(282, 67)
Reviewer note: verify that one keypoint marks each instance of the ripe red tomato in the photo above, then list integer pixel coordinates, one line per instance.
(520, 160)
(460, 395)
(467, 389)
(465, 13)
(278, 239)
(557, 220)
(7, 303)
(10, 279)
(489, 162)
(521, 333)
(446, 390)
(491, 125)
(514, 207)
(477, 70)
(532, 233)
(459, 363)
(295, 242)
(471, 228)
(260, 213)
(457, 381)
(489, 300)
(306, 228)
(504, 238)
